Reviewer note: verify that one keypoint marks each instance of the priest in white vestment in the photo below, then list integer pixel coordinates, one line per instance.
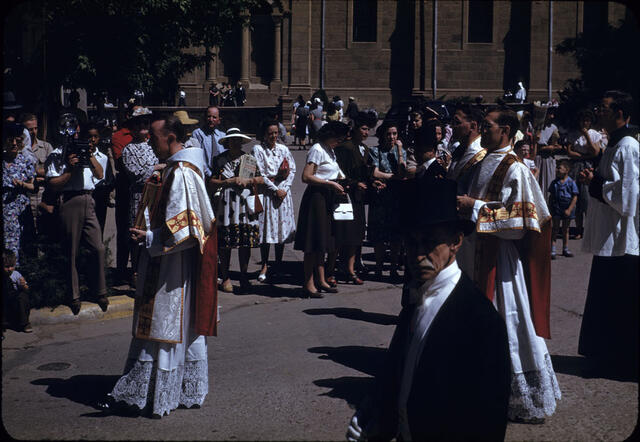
(469, 153)
(167, 361)
(609, 333)
(510, 262)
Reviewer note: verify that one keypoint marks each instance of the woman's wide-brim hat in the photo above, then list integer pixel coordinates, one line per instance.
(233, 132)
(184, 118)
(428, 201)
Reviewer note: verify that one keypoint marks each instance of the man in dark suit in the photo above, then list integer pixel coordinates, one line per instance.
(422, 162)
(447, 375)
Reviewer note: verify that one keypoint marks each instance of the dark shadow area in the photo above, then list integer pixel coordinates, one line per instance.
(262, 43)
(356, 314)
(368, 360)
(88, 390)
(402, 52)
(581, 367)
(270, 291)
(349, 388)
(289, 273)
(517, 47)
(231, 52)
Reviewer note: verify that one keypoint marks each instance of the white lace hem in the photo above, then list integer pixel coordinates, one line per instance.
(185, 385)
(534, 393)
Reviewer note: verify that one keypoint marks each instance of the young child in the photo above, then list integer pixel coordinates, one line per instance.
(522, 149)
(563, 196)
(15, 293)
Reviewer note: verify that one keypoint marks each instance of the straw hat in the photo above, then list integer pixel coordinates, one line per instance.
(233, 132)
(183, 116)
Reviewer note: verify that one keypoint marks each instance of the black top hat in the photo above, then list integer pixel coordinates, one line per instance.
(9, 101)
(427, 201)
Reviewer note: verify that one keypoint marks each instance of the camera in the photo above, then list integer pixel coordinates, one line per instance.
(67, 127)
(82, 150)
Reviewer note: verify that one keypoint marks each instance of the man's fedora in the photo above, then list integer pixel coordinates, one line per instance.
(428, 201)
(9, 101)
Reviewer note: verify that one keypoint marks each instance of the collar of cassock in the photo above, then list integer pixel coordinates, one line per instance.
(418, 293)
(619, 134)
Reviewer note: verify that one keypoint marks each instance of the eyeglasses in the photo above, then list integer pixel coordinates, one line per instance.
(485, 125)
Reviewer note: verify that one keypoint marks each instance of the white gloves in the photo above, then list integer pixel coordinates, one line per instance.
(354, 432)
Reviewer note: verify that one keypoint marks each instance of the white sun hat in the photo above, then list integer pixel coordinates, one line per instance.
(234, 132)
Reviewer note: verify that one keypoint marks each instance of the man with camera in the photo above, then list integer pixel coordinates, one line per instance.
(73, 170)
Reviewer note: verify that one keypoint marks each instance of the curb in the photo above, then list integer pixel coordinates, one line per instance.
(119, 307)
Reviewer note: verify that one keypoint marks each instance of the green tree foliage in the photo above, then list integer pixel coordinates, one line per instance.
(607, 60)
(123, 45)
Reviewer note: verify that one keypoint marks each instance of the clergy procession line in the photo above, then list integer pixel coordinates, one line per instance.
(467, 209)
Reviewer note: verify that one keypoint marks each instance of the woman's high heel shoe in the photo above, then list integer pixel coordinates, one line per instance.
(327, 288)
(306, 293)
(352, 277)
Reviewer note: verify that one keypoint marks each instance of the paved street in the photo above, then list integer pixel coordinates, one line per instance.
(282, 368)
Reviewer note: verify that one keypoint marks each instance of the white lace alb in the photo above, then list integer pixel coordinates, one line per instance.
(534, 393)
(185, 385)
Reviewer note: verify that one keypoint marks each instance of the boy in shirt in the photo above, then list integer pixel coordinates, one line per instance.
(563, 196)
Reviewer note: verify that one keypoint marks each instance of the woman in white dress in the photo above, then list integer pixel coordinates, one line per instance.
(277, 221)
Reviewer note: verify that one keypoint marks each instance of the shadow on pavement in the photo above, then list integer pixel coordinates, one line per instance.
(368, 360)
(84, 389)
(356, 314)
(580, 366)
(289, 273)
(271, 291)
(351, 389)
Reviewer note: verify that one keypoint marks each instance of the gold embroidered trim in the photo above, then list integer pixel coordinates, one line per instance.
(479, 156)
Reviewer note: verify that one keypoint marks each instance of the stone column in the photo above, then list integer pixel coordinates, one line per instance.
(277, 44)
(246, 52)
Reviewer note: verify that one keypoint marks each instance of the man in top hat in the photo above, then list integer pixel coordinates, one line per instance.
(447, 372)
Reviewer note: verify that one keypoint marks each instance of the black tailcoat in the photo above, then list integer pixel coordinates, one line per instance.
(461, 384)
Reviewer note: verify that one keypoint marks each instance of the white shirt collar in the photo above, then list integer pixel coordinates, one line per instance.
(428, 163)
(433, 286)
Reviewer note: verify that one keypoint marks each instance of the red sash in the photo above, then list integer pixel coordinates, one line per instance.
(207, 290)
(535, 252)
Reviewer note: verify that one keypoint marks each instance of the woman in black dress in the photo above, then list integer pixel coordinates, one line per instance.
(314, 233)
(353, 159)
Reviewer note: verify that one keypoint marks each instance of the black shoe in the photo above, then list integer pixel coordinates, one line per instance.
(75, 306)
(327, 289)
(103, 302)
(309, 294)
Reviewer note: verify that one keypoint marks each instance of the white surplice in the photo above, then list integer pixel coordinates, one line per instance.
(461, 170)
(612, 228)
(521, 207)
(167, 361)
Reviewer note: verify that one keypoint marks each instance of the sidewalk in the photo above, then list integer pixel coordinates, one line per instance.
(119, 307)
